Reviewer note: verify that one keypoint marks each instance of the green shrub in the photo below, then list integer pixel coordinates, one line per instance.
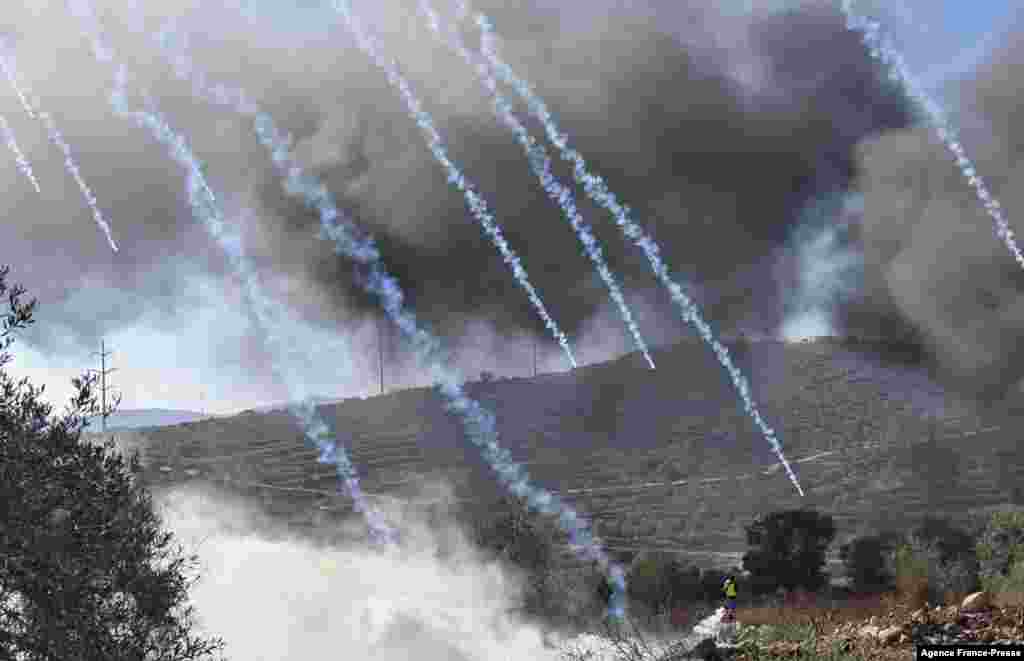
(660, 581)
(935, 562)
(1009, 589)
(1000, 555)
(1001, 544)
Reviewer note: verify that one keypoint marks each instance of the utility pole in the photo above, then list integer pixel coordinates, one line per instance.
(103, 372)
(380, 354)
(535, 356)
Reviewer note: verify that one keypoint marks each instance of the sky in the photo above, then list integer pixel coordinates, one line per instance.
(753, 123)
(944, 40)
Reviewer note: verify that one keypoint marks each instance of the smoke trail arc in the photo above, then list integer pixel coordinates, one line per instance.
(540, 164)
(206, 208)
(597, 190)
(19, 158)
(882, 49)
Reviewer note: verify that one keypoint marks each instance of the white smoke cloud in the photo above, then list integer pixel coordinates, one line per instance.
(280, 598)
(828, 269)
(277, 597)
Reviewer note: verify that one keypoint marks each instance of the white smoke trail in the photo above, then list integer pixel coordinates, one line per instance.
(597, 190)
(478, 207)
(206, 209)
(72, 168)
(540, 163)
(883, 50)
(475, 202)
(313, 192)
(478, 422)
(19, 157)
(12, 78)
(185, 70)
(221, 95)
(31, 109)
(296, 183)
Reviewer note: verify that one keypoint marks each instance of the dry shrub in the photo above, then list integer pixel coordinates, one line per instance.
(855, 608)
(757, 616)
(779, 615)
(891, 602)
(861, 607)
(955, 597)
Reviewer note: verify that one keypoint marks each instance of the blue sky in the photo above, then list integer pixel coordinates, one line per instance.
(941, 39)
(932, 29)
(948, 37)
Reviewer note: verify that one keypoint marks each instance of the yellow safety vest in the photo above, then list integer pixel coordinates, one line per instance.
(730, 589)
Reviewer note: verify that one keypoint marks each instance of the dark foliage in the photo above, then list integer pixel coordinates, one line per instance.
(711, 584)
(952, 543)
(528, 542)
(661, 582)
(788, 550)
(1001, 544)
(864, 560)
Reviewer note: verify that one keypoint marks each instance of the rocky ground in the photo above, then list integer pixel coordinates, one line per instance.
(890, 637)
(895, 635)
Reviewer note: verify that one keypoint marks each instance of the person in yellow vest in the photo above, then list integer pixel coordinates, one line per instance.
(729, 588)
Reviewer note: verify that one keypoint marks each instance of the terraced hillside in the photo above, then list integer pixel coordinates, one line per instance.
(662, 459)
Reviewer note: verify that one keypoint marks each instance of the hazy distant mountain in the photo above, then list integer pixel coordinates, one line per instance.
(138, 418)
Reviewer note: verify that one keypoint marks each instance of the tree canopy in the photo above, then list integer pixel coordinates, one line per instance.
(86, 570)
(788, 549)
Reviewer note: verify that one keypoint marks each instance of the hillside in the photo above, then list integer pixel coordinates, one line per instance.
(658, 459)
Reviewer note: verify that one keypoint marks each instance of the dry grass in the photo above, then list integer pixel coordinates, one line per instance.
(805, 628)
(811, 609)
(816, 631)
